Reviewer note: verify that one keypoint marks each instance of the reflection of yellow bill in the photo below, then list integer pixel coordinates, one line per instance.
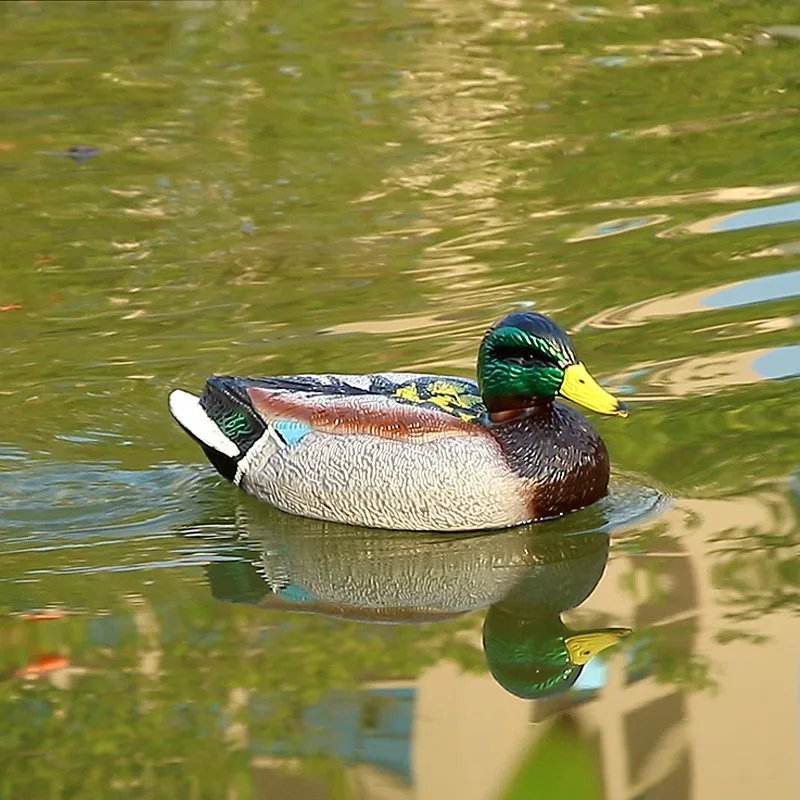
(580, 387)
(583, 647)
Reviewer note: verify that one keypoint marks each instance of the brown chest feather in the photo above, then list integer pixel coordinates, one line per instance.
(562, 456)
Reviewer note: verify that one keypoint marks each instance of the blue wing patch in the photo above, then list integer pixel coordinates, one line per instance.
(292, 431)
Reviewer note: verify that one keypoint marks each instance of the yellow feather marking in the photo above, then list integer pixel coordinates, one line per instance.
(445, 387)
(453, 395)
(409, 393)
(449, 396)
(442, 402)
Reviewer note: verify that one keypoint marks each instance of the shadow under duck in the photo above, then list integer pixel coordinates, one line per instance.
(412, 451)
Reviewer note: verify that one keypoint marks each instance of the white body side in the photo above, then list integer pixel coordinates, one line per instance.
(455, 483)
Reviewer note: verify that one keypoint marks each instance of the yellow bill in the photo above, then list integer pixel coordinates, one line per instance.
(580, 387)
(583, 647)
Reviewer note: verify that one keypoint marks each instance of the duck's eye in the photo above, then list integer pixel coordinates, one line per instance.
(525, 357)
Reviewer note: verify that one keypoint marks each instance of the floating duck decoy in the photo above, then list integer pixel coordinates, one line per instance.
(416, 452)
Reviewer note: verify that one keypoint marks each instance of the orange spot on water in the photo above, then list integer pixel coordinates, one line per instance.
(42, 616)
(42, 665)
(12, 307)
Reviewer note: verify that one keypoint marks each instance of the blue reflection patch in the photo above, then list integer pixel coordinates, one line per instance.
(593, 676)
(297, 594)
(758, 290)
(759, 217)
(782, 362)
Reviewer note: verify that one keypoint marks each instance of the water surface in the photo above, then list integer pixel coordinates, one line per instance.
(248, 187)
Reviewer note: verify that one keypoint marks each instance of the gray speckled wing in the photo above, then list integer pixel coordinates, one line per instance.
(459, 397)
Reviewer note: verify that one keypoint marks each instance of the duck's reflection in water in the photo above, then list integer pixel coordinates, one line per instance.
(525, 578)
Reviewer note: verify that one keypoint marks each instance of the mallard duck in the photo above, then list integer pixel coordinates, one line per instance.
(411, 451)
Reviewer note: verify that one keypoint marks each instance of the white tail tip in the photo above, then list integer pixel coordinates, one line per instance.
(186, 408)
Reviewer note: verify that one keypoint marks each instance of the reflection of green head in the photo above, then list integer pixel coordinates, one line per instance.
(527, 657)
(539, 657)
(529, 650)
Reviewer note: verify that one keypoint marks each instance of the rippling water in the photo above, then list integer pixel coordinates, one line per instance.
(246, 187)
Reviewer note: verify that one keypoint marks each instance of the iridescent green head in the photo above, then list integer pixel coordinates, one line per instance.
(526, 357)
